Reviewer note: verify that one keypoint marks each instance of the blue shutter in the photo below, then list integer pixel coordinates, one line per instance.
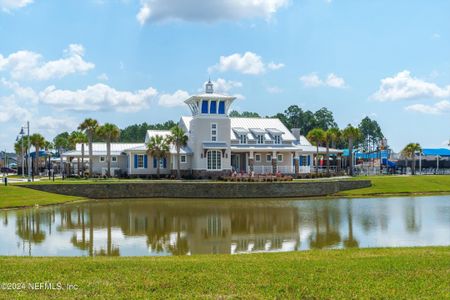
(300, 160)
(154, 163)
(135, 161)
(145, 162)
(222, 107)
(309, 160)
(204, 107)
(165, 163)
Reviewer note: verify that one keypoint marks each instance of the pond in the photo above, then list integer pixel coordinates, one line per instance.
(185, 227)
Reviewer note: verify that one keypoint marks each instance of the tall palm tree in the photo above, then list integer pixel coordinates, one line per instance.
(48, 146)
(331, 136)
(351, 134)
(38, 141)
(89, 127)
(78, 137)
(179, 139)
(410, 151)
(316, 136)
(158, 147)
(110, 133)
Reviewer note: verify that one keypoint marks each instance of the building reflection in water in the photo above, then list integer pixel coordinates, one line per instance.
(144, 227)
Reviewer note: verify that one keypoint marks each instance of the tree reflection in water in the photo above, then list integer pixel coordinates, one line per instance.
(143, 227)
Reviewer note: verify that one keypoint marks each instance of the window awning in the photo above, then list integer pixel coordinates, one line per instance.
(212, 145)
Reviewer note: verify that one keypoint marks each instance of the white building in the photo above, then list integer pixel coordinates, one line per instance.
(217, 145)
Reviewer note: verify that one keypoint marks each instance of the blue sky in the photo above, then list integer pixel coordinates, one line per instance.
(132, 61)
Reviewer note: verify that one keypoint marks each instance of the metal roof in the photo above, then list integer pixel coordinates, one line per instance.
(214, 145)
(436, 151)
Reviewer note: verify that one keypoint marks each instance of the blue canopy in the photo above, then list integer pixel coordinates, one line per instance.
(436, 151)
(362, 155)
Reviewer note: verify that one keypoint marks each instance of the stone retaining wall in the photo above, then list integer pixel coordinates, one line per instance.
(202, 189)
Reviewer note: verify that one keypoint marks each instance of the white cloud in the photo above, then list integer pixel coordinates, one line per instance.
(274, 90)
(11, 110)
(332, 80)
(207, 11)
(20, 92)
(248, 63)
(9, 5)
(30, 65)
(275, 66)
(175, 99)
(223, 86)
(54, 125)
(98, 97)
(403, 86)
(435, 109)
(103, 77)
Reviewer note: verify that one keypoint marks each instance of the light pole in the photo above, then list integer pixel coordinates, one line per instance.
(22, 132)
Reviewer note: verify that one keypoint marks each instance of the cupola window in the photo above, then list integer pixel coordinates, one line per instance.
(222, 107)
(204, 106)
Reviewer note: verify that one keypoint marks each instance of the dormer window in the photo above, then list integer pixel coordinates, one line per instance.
(260, 139)
(243, 139)
(277, 139)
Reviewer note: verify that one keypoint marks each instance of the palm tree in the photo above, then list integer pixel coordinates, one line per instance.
(410, 151)
(331, 135)
(316, 136)
(38, 141)
(78, 137)
(179, 139)
(48, 146)
(351, 134)
(89, 127)
(110, 133)
(158, 148)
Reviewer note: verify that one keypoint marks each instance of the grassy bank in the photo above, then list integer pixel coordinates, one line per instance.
(12, 196)
(402, 185)
(371, 273)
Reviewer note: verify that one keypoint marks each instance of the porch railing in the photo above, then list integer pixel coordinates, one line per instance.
(268, 169)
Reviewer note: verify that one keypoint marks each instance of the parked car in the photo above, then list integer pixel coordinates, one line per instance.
(7, 170)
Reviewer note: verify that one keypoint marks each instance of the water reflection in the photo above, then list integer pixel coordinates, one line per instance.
(144, 227)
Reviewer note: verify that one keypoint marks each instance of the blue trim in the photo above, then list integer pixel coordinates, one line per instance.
(213, 107)
(145, 162)
(135, 161)
(204, 106)
(309, 160)
(154, 163)
(222, 107)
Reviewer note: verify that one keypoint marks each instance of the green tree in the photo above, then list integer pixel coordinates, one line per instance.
(158, 147)
(351, 134)
(244, 114)
(324, 119)
(410, 151)
(110, 133)
(62, 143)
(316, 136)
(135, 133)
(371, 133)
(179, 139)
(78, 137)
(38, 141)
(89, 127)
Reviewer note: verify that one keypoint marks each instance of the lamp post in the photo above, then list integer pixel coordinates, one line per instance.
(22, 133)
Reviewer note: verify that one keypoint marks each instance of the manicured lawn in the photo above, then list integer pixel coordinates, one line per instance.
(402, 185)
(13, 196)
(402, 273)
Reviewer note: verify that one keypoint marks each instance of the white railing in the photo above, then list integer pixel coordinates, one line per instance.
(268, 169)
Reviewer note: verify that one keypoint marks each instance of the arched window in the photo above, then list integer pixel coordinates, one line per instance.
(214, 158)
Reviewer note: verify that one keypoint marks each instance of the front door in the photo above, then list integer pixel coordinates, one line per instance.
(236, 162)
